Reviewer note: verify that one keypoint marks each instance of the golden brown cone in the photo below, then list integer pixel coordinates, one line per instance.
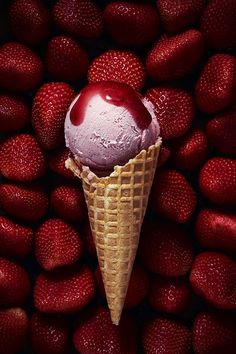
(116, 208)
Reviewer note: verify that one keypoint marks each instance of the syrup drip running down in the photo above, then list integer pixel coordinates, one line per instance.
(116, 94)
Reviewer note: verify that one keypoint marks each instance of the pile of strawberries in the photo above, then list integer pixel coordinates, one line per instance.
(182, 294)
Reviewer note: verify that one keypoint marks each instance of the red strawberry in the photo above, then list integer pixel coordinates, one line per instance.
(57, 244)
(14, 113)
(64, 290)
(49, 111)
(117, 65)
(49, 334)
(174, 57)
(213, 277)
(216, 86)
(21, 158)
(66, 59)
(57, 163)
(14, 326)
(174, 109)
(166, 337)
(15, 240)
(81, 18)
(68, 203)
(88, 240)
(221, 132)
(214, 332)
(20, 68)
(173, 197)
(131, 24)
(25, 202)
(218, 179)
(29, 20)
(176, 15)
(217, 230)
(14, 284)
(171, 295)
(132, 1)
(218, 24)
(96, 334)
(191, 150)
(165, 248)
(138, 286)
(165, 154)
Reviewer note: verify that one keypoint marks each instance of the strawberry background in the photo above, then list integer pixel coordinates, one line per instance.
(182, 293)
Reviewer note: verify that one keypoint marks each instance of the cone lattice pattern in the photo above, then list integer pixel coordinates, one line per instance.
(116, 208)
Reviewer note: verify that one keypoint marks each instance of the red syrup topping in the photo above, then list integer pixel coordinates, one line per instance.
(117, 94)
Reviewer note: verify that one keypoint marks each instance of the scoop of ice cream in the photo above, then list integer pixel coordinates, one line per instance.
(107, 124)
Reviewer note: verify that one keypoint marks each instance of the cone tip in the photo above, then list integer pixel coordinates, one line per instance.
(115, 316)
(115, 320)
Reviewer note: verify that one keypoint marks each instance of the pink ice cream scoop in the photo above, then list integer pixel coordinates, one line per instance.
(107, 124)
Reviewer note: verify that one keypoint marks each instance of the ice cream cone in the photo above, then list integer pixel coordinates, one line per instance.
(116, 208)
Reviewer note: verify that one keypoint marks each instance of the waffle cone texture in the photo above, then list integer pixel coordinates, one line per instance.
(116, 208)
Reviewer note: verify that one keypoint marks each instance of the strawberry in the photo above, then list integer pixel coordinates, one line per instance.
(164, 155)
(171, 295)
(174, 109)
(66, 59)
(20, 68)
(216, 230)
(213, 277)
(81, 18)
(14, 113)
(216, 85)
(138, 286)
(218, 24)
(221, 132)
(49, 111)
(21, 158)
(96, 334)
(173, 57)
(214, 332)
(218, 179)
(56, 244)
(88, 240)
(49, 334)
(25, 202)
(14, 326)
(176, 15)
(166, 337)
(191, 151)
(14, 284)
(165, 248)
(173, 197)
(57, 163)
(68, 203)
(29, 20)
(64, 290)
(15, 240)
(131, 24)
(120, 66)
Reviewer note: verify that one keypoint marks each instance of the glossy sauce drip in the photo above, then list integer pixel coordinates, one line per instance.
(116, 94)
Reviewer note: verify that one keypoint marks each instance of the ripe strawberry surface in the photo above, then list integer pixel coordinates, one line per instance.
(49, 334)
(182, 295)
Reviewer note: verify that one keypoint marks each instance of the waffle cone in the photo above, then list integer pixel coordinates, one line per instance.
(116, 208)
